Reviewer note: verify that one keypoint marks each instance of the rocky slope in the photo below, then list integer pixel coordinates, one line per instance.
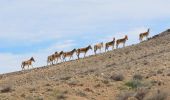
(119, 74)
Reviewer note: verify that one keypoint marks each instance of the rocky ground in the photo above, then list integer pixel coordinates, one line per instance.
(137, 72)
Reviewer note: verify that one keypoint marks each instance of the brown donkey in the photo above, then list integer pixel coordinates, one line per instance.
(68, 54)
(50, 59)
(110, 44)
(98, 46)
(58, 56)
(83, 50)
(123, 41)
(145, 34)
(27, 63)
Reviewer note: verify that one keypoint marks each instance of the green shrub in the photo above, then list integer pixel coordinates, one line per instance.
(137, 77)
(133, 84)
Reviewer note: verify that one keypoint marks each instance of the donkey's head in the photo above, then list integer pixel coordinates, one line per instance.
(90, 47)
(114, 39)
(148, 30)
(101, 44)
(126, 37)
(32, 59)
(74, 50)
(61, 52)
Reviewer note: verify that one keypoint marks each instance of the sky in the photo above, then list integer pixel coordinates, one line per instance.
(38, 28)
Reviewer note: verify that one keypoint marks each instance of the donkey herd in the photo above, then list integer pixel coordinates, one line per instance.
(54, 58)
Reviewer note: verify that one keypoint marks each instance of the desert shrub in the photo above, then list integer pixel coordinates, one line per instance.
(133, 84)
(133, 95)
(125, 95)
(38, 98)
(49, 89)
(73, 82)
(160, 71)
(117, 77)
(47, 84)
(137, 77)
(104, 81)
(159, 95)
(80, 93)
(168, 74)
(6, 89)
(140, 94)
(61, 97)
(65, 78)
(60, 94)
(23, 95)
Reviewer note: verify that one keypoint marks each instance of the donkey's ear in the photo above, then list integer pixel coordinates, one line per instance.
(148, 29)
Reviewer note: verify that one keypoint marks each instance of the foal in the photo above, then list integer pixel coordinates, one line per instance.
(123, 41)
(27, 63)
(68, 54)
(98, 46)
(110, 44)
(83, 50)
(145, 34)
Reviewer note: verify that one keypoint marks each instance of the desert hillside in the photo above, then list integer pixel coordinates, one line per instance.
(137, 72)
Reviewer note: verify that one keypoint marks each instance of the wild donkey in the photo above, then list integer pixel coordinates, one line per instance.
(110, 44)
(98, 46)
(83, 50)
(145, 34)
(68, 54)
(50, 59)
(27, 63)
(58, 56)
(123, 41)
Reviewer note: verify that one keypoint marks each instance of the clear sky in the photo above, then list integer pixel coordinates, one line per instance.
(38, 28)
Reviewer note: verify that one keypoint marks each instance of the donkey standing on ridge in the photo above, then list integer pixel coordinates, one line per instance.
(144, 34)
(83, 50)
(98, 46)
(110, 44)
(68, 54)
(27, 63)
(123, 41)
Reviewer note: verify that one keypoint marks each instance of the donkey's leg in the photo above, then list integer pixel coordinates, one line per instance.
(52, 62)
(84, 54)
(78, 56)
(22, 66)
(57, 60)
(95, 52)
(70, 57)
(105, 48)
(31, 65)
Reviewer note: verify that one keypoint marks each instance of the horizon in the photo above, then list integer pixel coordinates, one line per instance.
(39, 28)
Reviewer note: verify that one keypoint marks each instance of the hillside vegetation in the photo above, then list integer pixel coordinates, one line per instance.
(137, 72)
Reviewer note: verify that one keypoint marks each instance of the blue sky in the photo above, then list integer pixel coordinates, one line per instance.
(40, 27)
